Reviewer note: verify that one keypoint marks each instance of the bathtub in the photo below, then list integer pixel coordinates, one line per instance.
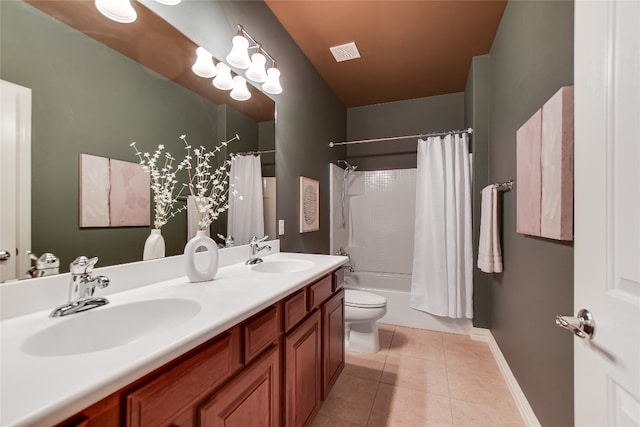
(396, 289)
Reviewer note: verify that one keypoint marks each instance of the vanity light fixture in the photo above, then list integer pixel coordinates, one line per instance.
(272, 84)
(117, 10)
(256, 71)
(223, 79)
(122, 11)
(243, 42)
(204, 66)
(239, 55)
(240, 91)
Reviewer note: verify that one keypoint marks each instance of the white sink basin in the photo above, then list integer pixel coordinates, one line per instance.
(282, 266)
(109, 326)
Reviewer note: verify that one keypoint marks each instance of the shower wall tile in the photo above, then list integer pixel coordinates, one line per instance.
(338, 234)
(355, 183)
(381, 221)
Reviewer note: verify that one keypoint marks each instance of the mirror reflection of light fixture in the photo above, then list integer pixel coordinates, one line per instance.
(223, 79)
(239, 58)
(204, 66)
(117, 10)
(256, 71)
(122, 11)
(272, 84)
(240, 91)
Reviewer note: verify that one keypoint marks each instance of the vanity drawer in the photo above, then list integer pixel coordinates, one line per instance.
(260, 332)
(295, 309)
(320, 291)
(157, 402)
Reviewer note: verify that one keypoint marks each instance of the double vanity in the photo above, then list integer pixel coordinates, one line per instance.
(259, 345)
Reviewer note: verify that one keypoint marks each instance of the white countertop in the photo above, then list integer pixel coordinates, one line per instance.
(47, 389)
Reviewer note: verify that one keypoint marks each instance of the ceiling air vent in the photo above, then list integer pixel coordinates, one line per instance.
(345, 52)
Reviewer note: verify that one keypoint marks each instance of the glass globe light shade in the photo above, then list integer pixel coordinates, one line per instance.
(256, 71)
(239, 56)
(223, 80)
(272, 84)
(204, 66)
(117, 10)
(240, 91)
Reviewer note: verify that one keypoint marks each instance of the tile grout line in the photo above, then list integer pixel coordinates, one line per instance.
(384, 365)
(373, 403)
(446, 368)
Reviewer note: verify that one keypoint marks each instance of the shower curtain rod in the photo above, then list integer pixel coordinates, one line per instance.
(249, 153)
(392, 138)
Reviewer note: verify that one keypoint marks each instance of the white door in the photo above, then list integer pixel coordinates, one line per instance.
(15, 180)
(607, 211)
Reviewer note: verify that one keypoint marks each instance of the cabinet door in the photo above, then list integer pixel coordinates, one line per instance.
(302, 372)
(332, 341)
(252, 399)
(183, 386)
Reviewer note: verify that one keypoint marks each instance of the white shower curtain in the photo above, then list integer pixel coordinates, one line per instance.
(442, 281)
(245, 217)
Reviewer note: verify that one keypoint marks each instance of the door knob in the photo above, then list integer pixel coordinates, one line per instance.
(583, 325)
(5, 255)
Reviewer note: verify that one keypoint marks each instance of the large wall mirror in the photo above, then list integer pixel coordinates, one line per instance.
(92, 95)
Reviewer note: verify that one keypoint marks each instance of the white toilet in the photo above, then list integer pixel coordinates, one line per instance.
(361, 313)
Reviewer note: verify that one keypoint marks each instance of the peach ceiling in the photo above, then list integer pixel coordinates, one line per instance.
(409, 49)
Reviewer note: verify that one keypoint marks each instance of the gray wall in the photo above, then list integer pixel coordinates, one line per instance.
(308, 114)
(476, 116)
(531, 58)
(267, 142)
(414, 116)
(90, 99)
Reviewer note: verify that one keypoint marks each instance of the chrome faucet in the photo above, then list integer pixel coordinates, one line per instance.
(82, 287)
(46, 264)
(228, 241)
(348, 267)
(254, 248)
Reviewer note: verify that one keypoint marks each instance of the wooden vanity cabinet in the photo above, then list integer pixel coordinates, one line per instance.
(270, 370)
(314, 351)
(261, 331)
(183, 386)
(103, 413)
(303, 368)
(332, 341)
(251, 399)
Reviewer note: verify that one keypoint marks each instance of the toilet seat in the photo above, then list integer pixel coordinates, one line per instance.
(362, 299)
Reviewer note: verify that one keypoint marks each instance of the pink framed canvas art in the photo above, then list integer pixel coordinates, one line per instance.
(544, 159)
(94, 191)
(113, 193)
(129, 199)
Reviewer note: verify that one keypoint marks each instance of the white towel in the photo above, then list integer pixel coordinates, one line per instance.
(489, 253)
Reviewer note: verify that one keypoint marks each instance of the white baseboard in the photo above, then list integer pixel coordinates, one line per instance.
(529, 417)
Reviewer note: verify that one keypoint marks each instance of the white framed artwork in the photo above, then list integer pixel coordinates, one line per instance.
(309, 205)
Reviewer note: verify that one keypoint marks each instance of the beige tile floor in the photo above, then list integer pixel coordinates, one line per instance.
(421, 378)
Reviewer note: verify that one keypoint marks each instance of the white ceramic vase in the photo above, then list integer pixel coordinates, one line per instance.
(154, 245)
(196, 267)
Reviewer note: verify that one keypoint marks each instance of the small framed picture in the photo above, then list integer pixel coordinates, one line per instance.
(309, 205)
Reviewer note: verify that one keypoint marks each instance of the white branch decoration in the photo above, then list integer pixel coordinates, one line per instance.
(163, 183)
(211, 187)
